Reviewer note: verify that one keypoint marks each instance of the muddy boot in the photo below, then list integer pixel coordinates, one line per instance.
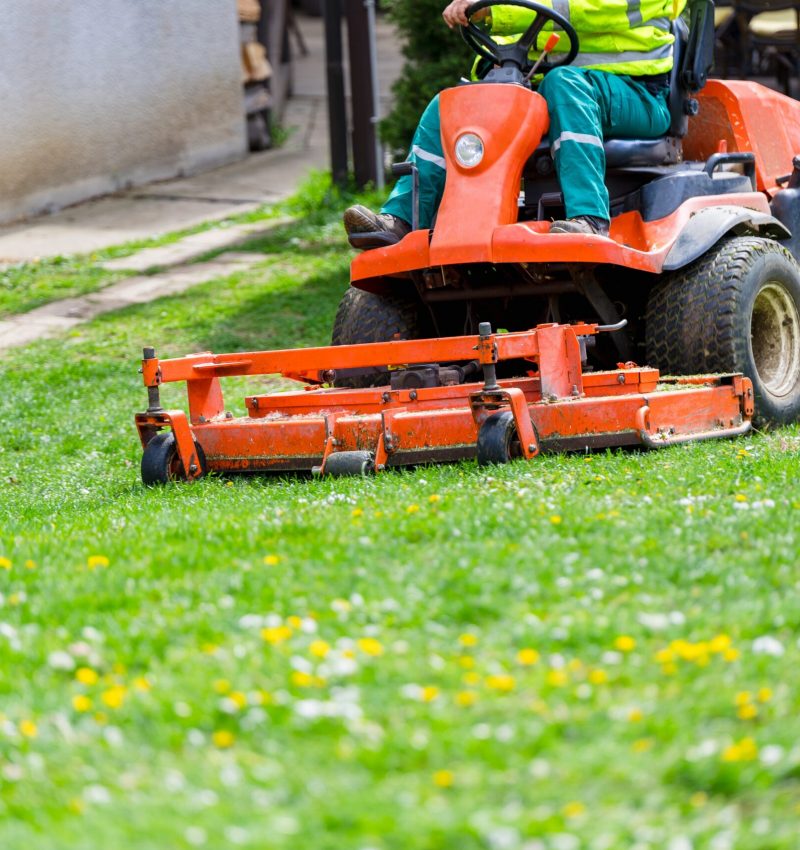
(366, 229)
(586, 224)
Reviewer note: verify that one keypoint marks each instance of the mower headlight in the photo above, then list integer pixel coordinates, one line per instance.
(469, 150)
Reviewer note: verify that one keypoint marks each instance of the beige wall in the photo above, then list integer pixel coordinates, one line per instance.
(96, 95)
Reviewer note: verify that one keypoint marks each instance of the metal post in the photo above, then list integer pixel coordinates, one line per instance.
(363, 89)
(334, 68)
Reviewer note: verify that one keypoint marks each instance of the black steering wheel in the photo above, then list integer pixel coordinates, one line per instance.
(516, 53)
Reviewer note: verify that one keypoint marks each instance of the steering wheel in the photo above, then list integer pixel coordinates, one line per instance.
(517, 52)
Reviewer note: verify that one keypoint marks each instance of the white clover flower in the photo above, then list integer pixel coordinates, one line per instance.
(60, 660)
(97, 794)
(768, 645)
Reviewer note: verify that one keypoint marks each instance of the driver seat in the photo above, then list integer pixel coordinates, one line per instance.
(693, 58)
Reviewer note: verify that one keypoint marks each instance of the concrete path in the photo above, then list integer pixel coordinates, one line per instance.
(261, 178)
(59, 316)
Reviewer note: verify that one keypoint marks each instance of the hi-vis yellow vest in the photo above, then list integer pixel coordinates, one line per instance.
(620, 36)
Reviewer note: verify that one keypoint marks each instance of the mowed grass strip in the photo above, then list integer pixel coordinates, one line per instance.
(579, 652)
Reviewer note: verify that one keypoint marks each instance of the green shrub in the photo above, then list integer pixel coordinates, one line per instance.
(435, 58)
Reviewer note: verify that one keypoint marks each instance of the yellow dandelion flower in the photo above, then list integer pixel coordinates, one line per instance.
(625, 643)
(271, 560)
(96, 561)
(370, 646)
(30, 565)
(731, 655)
(642, 745)
(764, 694)
(348, 653)
(443, 778)
(502, 682)
(575, 665)
(555, 519)
(276, 634)
(14, 599)
(467, 662)
(114, 696)
(76, 806)
(740, 497)
(719, 643)
(264, 697)
(221, 686)
(744, 750)
(468, 639)
(222, 739)
(434, 497)
(5, 563)
(80, 702)
(573, 810)
(466, 698)
(209, 648)
(86, 676)
(357, 512)
(306, 680)
(527, 657)
(142, 683)
(635, 715)
(100, 718)
(556, 678)
(28, 729)
(742, 698)
(238, 699)
(319, 648)
(698, 799)
(429, 693)
(598, 677)
(669, 669)
(294, 621)
(471, 678)
(664, 656)
(412, 509)
(747, 711)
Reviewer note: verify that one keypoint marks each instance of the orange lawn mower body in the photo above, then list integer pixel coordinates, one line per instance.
(698, 278)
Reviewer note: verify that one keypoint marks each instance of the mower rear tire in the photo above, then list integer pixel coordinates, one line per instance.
(497, 439)
(161, 462)
(366, 317)
(736, 309)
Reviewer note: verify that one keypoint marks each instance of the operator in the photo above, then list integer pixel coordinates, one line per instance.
(617, 87)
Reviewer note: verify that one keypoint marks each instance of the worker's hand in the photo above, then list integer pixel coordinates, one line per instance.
(456, 13)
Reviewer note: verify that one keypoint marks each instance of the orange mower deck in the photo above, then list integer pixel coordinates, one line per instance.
(554, 405)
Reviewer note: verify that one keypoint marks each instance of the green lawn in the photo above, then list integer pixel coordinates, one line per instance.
(592, 652)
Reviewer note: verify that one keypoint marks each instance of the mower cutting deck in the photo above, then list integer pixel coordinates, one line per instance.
(428, 413)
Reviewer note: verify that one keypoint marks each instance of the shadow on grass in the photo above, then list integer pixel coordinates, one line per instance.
(287, 315)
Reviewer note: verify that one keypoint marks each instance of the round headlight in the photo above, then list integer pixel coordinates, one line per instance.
(469, 150)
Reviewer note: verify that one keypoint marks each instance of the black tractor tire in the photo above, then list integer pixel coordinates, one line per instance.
(366, 317)
(736, 309)
(161, 463)
(498, 442)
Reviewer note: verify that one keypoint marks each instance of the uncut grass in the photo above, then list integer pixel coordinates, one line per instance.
(443, 575)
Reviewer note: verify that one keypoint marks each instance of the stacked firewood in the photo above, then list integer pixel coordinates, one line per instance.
(256, 71)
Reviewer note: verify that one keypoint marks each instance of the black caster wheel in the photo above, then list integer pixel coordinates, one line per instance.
(498, 441)
(350, 463)
(161, 463)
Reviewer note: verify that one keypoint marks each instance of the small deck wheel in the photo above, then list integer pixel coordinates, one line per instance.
(350, 463)
(161, 462)
(498, 441)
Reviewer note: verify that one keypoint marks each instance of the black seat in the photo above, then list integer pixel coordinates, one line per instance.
(693, 58)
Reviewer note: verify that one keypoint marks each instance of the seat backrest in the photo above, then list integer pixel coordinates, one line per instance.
(693, 58)
(678, 95)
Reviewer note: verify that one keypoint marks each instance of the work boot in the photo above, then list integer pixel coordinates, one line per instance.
(587, 224)
(366, 229)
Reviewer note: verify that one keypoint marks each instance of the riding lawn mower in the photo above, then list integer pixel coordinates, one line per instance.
(698, 278)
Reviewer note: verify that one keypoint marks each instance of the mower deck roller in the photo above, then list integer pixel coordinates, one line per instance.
(428, 413)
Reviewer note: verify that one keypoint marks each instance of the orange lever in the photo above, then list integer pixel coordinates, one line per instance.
(548, 48)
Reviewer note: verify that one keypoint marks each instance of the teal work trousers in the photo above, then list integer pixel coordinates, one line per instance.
(585, 108)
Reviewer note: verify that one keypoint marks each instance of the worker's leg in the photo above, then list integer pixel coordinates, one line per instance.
(586, 107)
(427, 154)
